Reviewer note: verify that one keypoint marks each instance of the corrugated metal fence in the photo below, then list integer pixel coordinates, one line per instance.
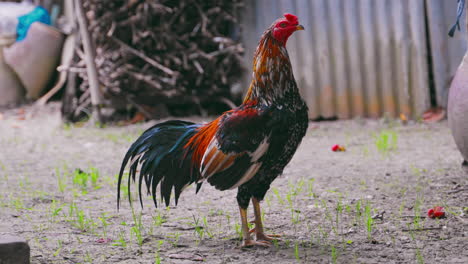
(366, 57)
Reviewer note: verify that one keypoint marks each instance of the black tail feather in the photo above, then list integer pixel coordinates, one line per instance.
(160, 155)
(198, 187)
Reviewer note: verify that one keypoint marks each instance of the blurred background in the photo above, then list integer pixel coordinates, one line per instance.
(153, 59)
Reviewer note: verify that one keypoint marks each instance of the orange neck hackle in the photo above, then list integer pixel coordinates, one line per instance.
(271, 68)
(272, 71)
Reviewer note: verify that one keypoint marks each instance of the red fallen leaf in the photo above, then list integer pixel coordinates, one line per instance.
(103, 240)
(337, 147)
(436, 212)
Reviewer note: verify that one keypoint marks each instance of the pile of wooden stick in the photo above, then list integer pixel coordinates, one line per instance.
(161, 52)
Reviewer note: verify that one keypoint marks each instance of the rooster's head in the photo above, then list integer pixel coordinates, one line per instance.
(284, 27)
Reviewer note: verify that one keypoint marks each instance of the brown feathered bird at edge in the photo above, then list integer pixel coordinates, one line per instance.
(245, 148)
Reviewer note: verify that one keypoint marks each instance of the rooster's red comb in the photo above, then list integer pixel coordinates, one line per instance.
(290, 17)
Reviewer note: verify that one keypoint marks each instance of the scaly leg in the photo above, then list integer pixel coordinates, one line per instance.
(247, 240)
(259, 234)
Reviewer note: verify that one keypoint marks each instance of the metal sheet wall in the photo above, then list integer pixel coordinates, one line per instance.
(364, 57)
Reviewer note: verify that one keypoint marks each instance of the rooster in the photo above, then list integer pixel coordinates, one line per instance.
(245, 148)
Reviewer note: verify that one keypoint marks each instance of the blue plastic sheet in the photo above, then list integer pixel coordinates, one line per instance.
(39, 14)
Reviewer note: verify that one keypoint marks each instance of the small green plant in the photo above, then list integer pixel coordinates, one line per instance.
(278, 195)
(329, 216)
(296, 251)
(206, 227)
(297, 188)
(121, 241)
(369, 220)
(137, 229)
(59, 248)
(417, 212)
(67, 126)
(159, 219)
(276, 243)
(55, 208)
(94, 175)
(290, 198)
(16, 202)
(386, 141)
(199, 230)
(88, 258)
(24, 182)
(82, 179)
(157, 257)
(323, 233)
(310, 187)
(174, 238)
(268, 201)
(238, 230)
(103, 218)
(2, 166)
(334, 254)
(61, 183)
(419, 256)
(358, 211)
(339, 212)
(79, 219)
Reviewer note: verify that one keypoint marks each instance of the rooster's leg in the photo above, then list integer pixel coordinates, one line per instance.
(259, 234)
(247, 240)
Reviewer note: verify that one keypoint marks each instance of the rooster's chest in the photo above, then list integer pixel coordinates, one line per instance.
(285, 139)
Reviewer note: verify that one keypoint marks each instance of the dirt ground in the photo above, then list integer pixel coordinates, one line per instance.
(365, 205)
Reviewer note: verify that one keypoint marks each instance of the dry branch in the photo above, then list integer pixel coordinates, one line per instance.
(166, 52)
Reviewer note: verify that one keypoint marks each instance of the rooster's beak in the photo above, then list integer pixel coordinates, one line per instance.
(299, 27)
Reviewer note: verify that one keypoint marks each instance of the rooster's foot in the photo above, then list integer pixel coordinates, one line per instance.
(252, 243)
(264, 237)
(269, 238)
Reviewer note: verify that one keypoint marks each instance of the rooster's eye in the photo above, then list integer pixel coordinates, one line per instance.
(283, 25)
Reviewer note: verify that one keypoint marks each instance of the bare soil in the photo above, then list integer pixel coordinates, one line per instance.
(365, 205)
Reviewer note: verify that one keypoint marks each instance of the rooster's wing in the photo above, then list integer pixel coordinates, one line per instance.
(234, 154)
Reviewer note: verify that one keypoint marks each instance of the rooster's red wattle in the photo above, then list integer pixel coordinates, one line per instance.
(245, 148)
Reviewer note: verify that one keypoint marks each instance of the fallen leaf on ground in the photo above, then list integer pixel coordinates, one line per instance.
(436, 212)
(103, 240)
(337, 148)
